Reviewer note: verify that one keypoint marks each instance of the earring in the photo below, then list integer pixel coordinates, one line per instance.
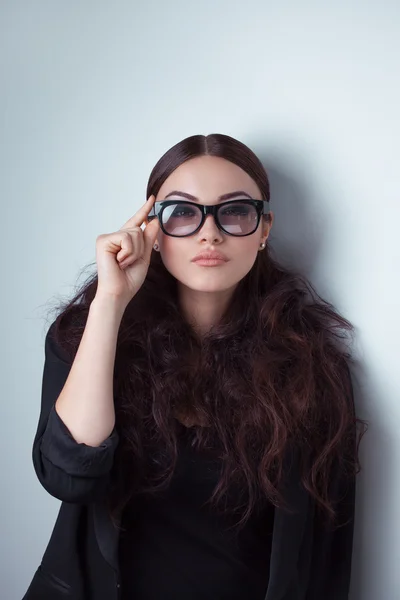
(262, 246)
(155, 246)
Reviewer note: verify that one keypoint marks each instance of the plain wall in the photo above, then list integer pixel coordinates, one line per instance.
(92, 93)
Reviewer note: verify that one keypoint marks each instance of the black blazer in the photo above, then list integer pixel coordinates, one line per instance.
(308, 561)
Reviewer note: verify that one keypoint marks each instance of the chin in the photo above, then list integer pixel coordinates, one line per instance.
(208, 284)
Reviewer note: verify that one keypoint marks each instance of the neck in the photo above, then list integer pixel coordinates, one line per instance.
(203, 310)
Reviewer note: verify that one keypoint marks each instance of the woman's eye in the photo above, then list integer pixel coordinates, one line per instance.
(183, 212)
(236, 211)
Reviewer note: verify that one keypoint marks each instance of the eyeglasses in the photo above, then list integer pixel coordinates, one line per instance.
(180, 218)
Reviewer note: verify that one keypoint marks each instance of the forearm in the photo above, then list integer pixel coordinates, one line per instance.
(86, 402)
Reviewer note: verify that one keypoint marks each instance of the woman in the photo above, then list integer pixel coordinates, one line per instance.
(197, 417)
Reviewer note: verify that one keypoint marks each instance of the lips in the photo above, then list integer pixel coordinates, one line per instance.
(210, 256)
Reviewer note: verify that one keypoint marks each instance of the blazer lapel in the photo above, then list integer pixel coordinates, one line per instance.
(287, 532)
(106, 534)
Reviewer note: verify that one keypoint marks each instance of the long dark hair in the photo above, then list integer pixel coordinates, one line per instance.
(273, 373)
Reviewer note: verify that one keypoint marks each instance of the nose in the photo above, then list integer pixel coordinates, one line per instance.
(210, 230)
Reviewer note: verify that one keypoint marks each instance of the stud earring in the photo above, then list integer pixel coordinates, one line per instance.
(262, 246)
(155, 246)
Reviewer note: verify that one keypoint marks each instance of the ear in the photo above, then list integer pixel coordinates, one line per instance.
(267, 222)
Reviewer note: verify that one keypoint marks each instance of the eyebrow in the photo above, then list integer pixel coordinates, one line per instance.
(194, 199)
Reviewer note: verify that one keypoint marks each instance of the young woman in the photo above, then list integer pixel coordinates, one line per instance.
(197, 417)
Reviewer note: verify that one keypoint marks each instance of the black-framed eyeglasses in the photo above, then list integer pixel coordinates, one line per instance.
(180, 218)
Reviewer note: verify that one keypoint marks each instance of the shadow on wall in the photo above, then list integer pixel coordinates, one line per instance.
(297, 232)
(297, 241)
(376, 489)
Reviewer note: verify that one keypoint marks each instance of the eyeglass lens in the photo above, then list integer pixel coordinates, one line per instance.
(235, 218)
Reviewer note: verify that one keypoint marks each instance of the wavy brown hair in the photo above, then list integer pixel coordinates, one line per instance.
(272, 374)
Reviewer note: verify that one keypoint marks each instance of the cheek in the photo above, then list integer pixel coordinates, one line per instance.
(250, 245)
(171, 246)
(174, 252)
(247, 256)
(246, 248)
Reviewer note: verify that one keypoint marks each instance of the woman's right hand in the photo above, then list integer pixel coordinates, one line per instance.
(123, 257)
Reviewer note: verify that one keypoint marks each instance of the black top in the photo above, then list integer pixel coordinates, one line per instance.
(176, 547)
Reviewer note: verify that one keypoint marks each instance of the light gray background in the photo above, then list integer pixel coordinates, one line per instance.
(92, 93)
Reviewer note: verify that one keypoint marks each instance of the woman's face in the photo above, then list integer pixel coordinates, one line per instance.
(207, 178)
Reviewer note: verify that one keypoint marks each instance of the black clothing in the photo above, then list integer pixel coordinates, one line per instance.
(81, 562)
(194, 551)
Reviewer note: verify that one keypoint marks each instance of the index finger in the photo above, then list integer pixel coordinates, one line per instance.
(139, 217)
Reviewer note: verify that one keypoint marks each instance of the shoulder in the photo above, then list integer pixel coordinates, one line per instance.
(55, 348)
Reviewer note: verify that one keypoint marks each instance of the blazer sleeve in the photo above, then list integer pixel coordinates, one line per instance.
(68, 470)
(332, 545)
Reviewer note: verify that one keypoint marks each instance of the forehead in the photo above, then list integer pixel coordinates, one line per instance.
(207, 177)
